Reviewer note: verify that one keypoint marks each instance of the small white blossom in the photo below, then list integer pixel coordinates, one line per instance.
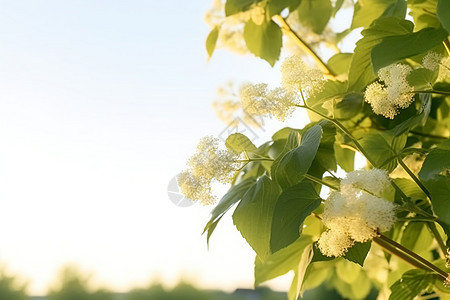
(431, 60)
(377, 212)
(396, 93)
(377, 96)
(398, 88)
(228, 108)
(195, 188)
(447, 281)
(434, 61)
(258, 100)
(356, 212)
(297, 76)
(374, 181)
(334, 243)
(209, 163)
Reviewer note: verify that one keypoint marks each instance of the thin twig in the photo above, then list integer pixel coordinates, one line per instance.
(413, 255)
(320, 181)
(304, 46)
(414, 177)
(439, 137)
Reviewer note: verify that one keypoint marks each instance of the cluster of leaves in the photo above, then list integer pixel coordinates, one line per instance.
(276, 199)
(11, 288)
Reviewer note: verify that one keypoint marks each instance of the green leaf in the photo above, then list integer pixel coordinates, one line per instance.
(211, 41)
(234, 194)
(238, 143)
(283, 261)
(379, 150)
(289, 141)
(351, 105)
(318, 256)
(407, 125)
(264, 40)
(236, 6)
(284, 133)
(253, 215)
(361, 71)
(337, 7)
(416, 237)
(325, 154)
(340, 63)
(436, 162)
(414, 120)
(443, 13)
(316, 273)
(423, 13)
(422, 78)
(211, 226)
(410, 188)
(332, 90)
(275, 7)
(394, 48)
(368, 10)
(345, 158)
(294, 289)
(348, 271)
(315, 14)
(440, 190)
(295, 164)
(413, 283)
(358, 252)
(293, 206)
(435, 175)
(358, 289)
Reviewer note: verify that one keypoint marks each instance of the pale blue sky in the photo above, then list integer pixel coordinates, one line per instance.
(101, 104)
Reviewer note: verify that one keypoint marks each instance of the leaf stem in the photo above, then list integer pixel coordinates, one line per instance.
(411, 256)
(255, 159)
(439, 240)
(439, 137)
(414, 177)
(447, 46)
(430, 220)
(433, 92)
(430, 296)
(304, 46)
(394, 251)
(320, 181)
(410, 150)
(332, 175)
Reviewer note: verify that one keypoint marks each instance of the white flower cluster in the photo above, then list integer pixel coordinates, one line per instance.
(258, 100)
(374, 181)
(209, 163)
(431, 61)
(356, 213)
(434, 61)
(396, 93)
(296, 76)
(228, 107)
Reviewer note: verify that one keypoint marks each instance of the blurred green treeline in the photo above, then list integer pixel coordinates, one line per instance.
(71, 284)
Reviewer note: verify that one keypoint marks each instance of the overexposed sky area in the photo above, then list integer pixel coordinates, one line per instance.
(101, 104)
